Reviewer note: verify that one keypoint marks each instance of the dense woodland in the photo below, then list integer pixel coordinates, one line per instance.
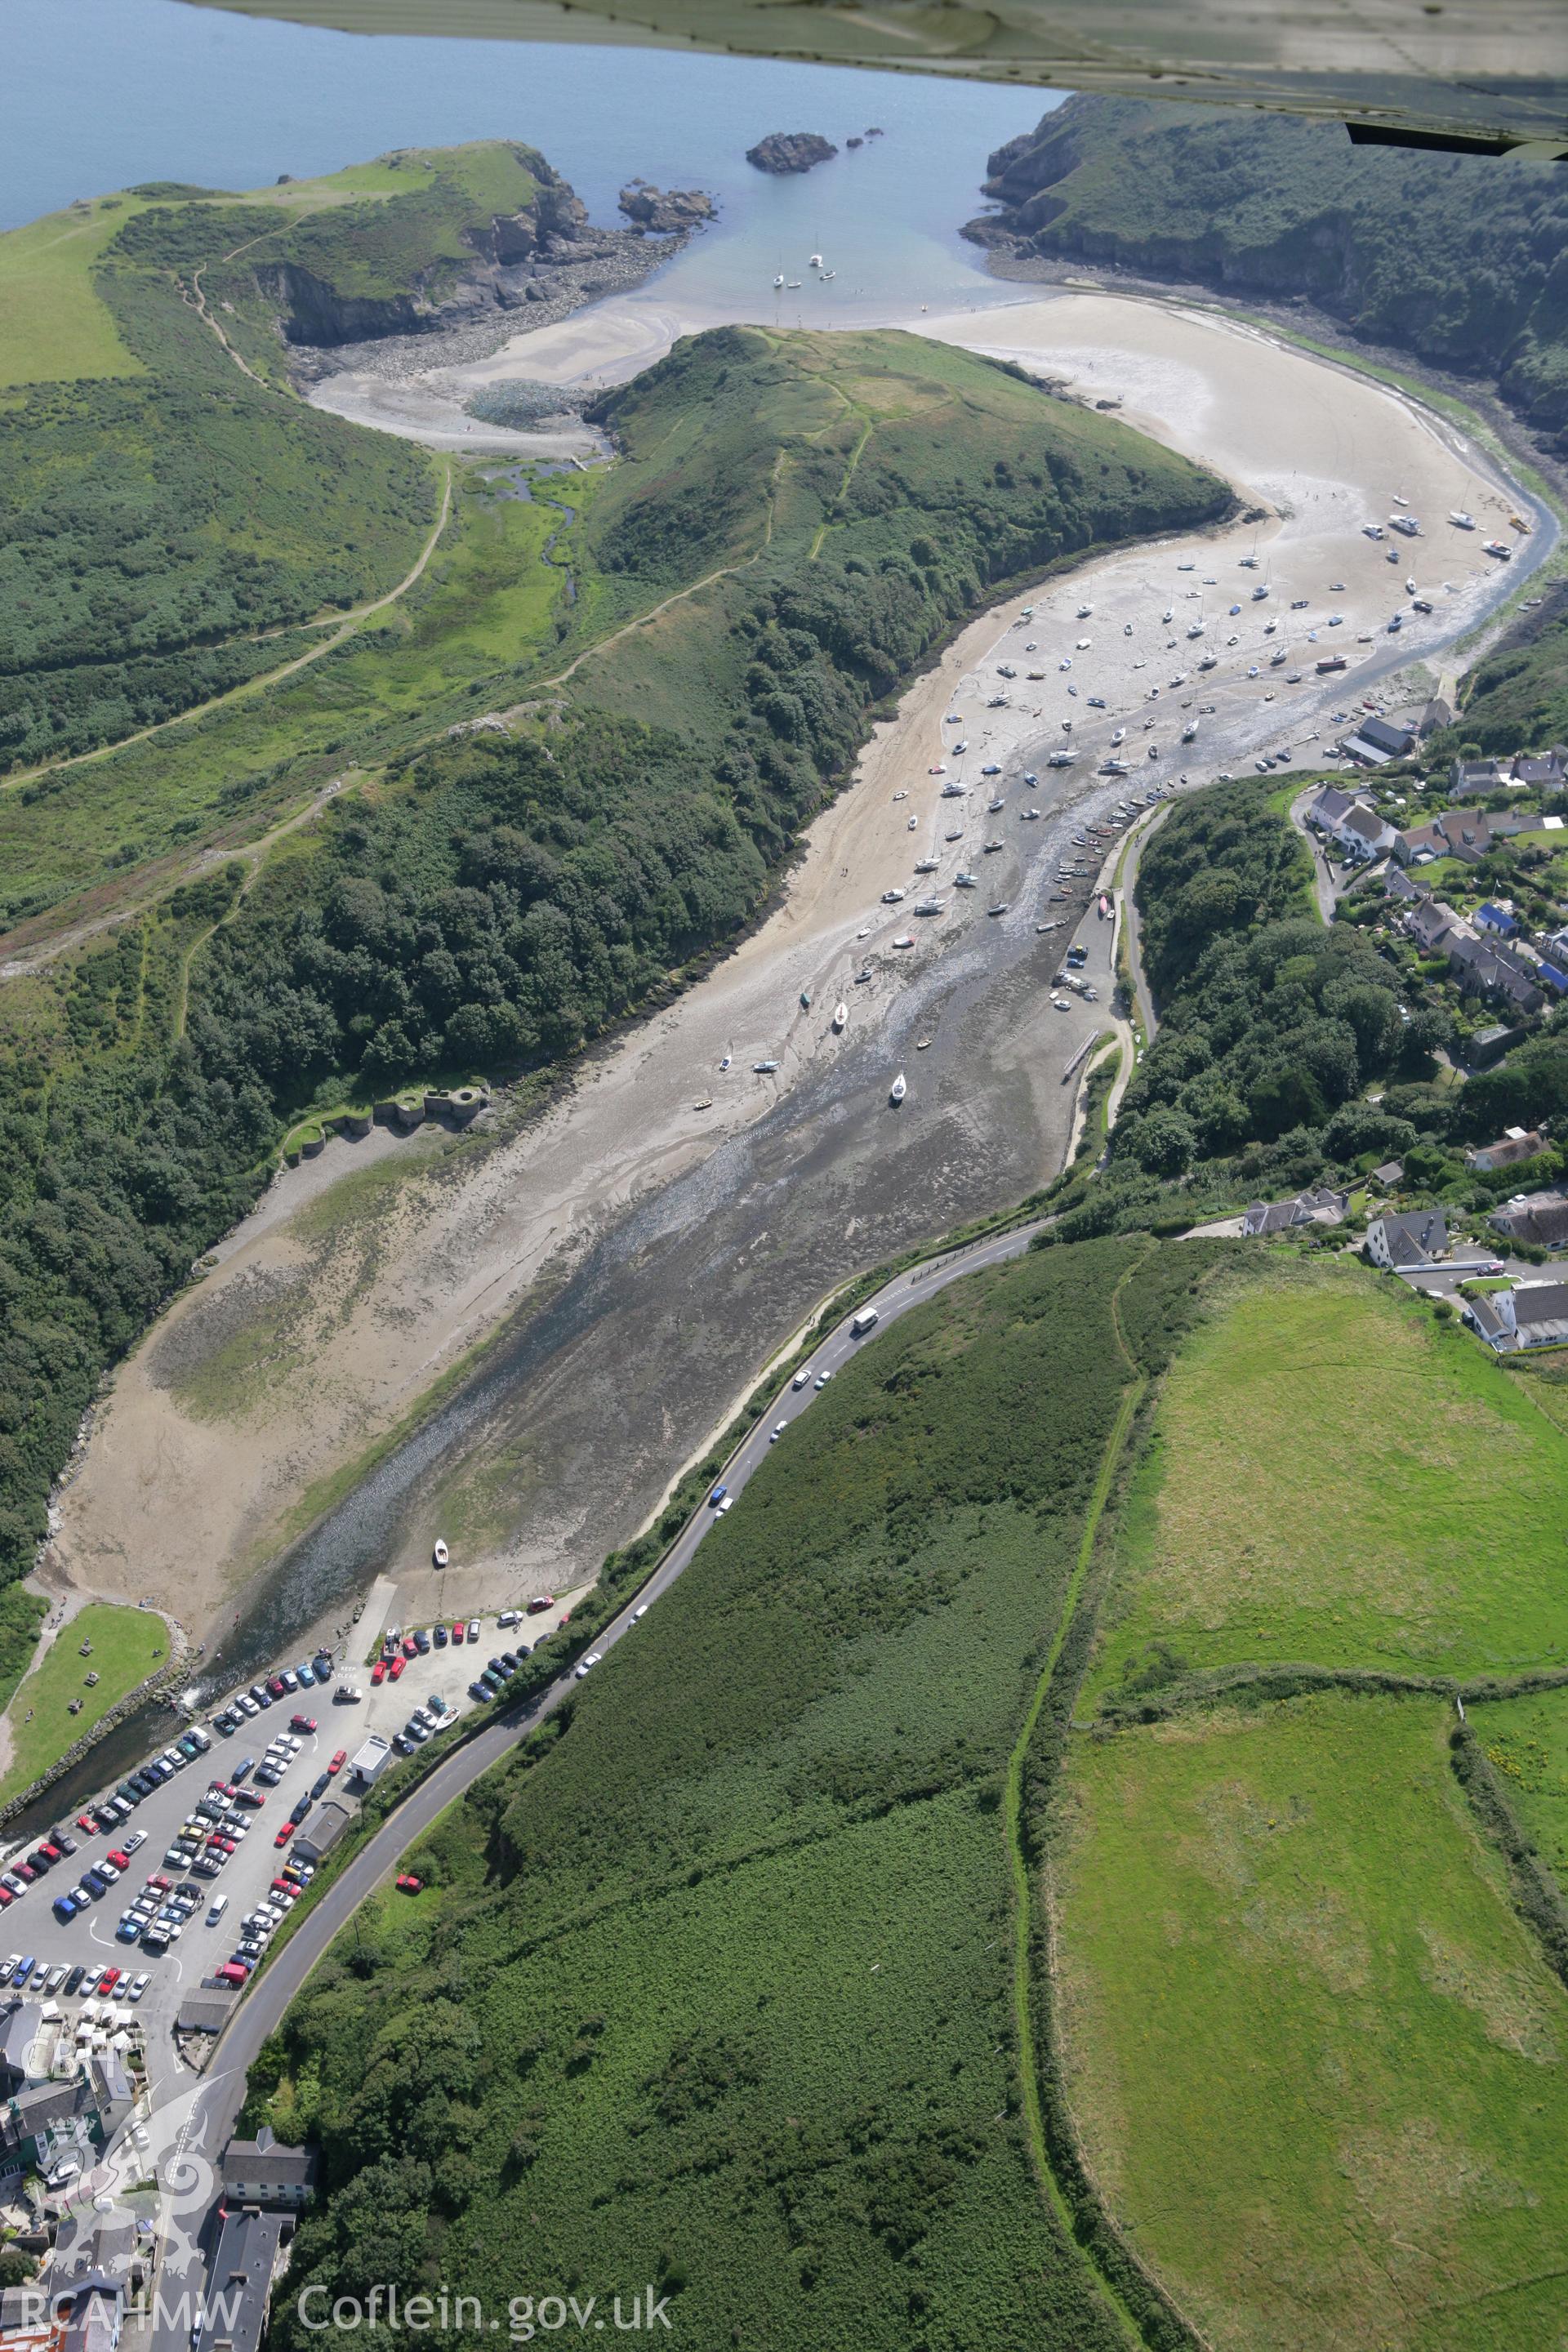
(1457, 259)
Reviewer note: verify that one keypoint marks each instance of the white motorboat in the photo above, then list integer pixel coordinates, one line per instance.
(1462, 521)
(778, 280)
(898, 1088)
(814, 262)
(840, 1016)
(441, 1555)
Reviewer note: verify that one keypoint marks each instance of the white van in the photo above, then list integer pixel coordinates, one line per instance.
(218, 1907)
(863, 1322)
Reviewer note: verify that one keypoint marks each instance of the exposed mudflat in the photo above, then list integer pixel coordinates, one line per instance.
(661, 1226)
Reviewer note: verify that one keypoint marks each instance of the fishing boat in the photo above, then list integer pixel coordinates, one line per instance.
(814, 262)
(898, 1088)
(441, 1555)
(840, 1016)
(921, 1045)
(805, 999)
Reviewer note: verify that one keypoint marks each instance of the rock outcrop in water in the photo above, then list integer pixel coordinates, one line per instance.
(666, 210)
(791, 151)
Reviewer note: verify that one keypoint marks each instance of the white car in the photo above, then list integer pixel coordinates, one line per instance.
(641, 1611)
(778, 1433)
(138, 1986)
(821, 1380)
(727, 1504)
(801, 1379)
(591, 1659)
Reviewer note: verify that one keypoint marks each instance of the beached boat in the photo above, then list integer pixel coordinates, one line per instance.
(441, 1555)
(840, 1016)
(898, 1088)
(1462, 521)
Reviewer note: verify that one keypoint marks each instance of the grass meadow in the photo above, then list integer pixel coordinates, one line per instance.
(1318, 2065)
(1526, 1740)
(1335, 1478)
(128, 1644)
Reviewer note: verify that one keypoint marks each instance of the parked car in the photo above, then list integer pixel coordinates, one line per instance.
(406, 1883)
(339, 1759)
(395, 1669)
(378, 1671)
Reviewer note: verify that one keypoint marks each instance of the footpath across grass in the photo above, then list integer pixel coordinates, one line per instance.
(128, 1644)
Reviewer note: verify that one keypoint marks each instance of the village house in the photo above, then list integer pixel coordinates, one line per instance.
(1531, 1315)
(1407, 1238)
(1546, 773)
(1514, 1143)
(1470, 778)
(1404, 886)
(1430, 924)
(1317, 1207)
(1375, 741)
(1497, 915)
(1469, 835)
(1538, 1217)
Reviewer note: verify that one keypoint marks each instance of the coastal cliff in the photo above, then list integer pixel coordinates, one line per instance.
(1447, 257)
(482, 234)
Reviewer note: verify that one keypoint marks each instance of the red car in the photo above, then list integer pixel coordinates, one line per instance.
(408, 1885)
(395, 1668)
(285, 1887)
(410, 1646)
(108, 1979)
(284, 1835)
(233, 1972)
(121, 1861)
(7, 1898)
(378, 1671)
(85, 1821)
(306, 1723)
(159, 1886)
(339, 1761)
(460, 1630)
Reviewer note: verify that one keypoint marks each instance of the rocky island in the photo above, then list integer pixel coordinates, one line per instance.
(791, 151)
(666, 211)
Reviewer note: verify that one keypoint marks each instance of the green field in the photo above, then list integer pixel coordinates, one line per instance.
(1526, 1741)
(1320, 2067)
(54, 328)
(1383, 1443)
(128, 1644)
(720, 1991)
